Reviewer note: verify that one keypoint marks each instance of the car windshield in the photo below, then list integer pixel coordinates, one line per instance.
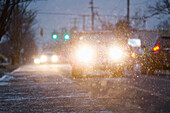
(101, 39)
(84, 56)
(48, 53)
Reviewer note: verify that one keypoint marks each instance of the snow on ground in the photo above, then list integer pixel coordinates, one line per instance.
(3, 83)
(6, 78)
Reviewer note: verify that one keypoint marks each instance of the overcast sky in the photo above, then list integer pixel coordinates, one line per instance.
(111, 7)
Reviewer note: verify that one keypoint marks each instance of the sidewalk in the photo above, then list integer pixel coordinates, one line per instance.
(6, 67)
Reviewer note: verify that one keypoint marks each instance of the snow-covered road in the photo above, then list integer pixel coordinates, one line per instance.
(51, 88)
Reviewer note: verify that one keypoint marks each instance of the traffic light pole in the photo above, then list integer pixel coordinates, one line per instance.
(84, 27)
(128, 18)
(128, 9)
(92, 14)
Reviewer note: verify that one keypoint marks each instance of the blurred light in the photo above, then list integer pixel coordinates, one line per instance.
(54, 58)
(156, 48)
(116, 53)
(134, 42)
(66, 37)
(36, 61)
(54, 36)
(133, 55)
(85, 54)
(43, 58)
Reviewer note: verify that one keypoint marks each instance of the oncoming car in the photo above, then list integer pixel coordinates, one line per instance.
(100, 52)
(47, 57)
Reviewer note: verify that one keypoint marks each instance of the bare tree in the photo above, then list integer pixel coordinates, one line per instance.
(21, 33)
(161, 7)
(6, 10)
(121, 29)
(165, 24)
(138, 21)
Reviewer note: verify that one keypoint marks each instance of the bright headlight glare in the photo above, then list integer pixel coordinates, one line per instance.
(43, 58)
(54, 58)
(85, 54)
(37, 61)
(116, 53)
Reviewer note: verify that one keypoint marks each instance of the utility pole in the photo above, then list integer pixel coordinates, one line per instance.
(92, 14)
(75, 22)
(84, 23)
(128, 9)
(128, 21)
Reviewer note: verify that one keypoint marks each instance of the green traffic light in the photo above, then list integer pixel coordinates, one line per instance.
(54, 36)
(66, 36)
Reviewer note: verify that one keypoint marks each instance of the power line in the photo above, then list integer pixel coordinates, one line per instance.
(74, 14)
(62, 14)
(87, 15)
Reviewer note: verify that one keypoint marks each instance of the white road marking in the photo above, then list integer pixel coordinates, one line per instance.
(76, 95)
(117, 79)
(80, 95)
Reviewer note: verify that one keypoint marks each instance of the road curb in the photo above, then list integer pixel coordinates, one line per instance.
(4, 69)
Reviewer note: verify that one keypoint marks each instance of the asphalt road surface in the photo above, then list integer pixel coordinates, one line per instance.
(51, 88)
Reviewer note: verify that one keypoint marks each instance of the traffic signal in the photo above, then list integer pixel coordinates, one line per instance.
(54, 36)
(66, 36)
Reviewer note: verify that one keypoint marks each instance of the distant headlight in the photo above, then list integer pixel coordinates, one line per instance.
(54, 58)
(85, 54)
(36, 61)
(116, 53)
(43, 58)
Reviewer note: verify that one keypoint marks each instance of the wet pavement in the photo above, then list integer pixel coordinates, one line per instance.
(51, 88)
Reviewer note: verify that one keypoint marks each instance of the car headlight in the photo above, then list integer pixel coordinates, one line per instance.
(54, 58)
(43, 58)
(36, 61)
(116, 53)
(85, 54)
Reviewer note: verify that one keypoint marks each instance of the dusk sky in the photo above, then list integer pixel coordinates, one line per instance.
(49, 23)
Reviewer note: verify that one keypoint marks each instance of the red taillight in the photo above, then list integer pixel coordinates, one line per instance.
(133, 55)
(156, 48)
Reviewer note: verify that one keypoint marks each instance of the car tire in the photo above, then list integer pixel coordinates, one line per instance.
(143, 70)
(117, 72)
(77, 73)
